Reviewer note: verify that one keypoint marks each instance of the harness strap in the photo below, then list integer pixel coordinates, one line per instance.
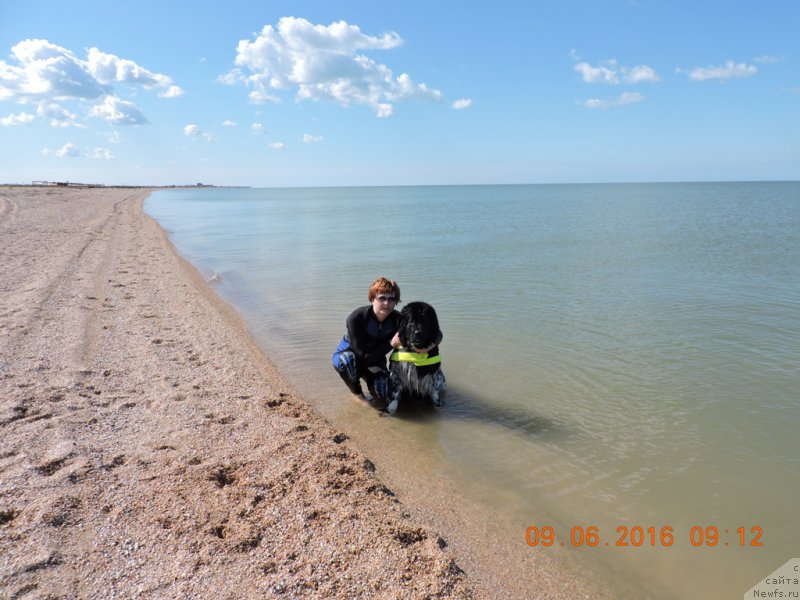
(421, 359)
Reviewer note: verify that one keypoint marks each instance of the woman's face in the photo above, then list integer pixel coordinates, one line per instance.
(383, 304)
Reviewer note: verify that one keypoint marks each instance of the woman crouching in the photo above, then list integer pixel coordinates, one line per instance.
(370, 335)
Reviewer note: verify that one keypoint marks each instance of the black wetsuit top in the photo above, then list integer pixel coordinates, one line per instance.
(369, 338)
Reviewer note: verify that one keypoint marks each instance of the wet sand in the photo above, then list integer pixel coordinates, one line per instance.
(149, 449)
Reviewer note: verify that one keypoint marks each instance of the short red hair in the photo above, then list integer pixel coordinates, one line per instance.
(384, 285)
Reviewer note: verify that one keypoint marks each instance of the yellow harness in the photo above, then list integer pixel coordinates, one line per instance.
(420, 359)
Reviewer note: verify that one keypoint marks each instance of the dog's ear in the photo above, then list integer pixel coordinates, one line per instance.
(432, 319)
(402, 328)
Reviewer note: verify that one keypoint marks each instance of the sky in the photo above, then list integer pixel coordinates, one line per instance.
(324, 93)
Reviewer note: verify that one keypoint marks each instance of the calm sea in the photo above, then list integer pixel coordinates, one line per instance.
(618, 356)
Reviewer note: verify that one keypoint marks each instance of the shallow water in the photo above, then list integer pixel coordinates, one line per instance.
(616, 355)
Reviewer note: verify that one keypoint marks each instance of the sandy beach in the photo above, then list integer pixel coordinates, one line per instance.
(150, 449)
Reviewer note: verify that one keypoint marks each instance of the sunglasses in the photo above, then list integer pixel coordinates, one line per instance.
(386, 299)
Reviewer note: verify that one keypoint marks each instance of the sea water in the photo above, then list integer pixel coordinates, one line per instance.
(619, 357)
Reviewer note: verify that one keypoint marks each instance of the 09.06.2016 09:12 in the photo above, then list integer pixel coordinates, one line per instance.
(636, 536)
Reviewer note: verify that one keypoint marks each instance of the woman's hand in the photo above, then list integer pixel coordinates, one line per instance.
(395, 340)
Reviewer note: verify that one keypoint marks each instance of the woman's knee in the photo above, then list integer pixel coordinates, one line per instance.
(345, 362)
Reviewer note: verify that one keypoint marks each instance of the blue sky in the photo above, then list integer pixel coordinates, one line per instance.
(274, 93)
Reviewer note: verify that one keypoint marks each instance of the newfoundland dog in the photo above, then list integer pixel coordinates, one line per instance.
(415, 374)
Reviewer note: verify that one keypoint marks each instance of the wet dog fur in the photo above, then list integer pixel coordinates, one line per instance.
(418, 329)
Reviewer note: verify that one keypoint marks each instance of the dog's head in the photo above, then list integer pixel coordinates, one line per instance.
(419, 326)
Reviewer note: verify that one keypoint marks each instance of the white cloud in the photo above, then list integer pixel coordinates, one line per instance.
(611, 72)
(59, 116)
(277, 146)
(114, 137)
(311, 139)
(47, 74)
(260, 97)
(172, 91)
(258, 129)
(108, 68)
(228, 123)
(68, 150)
(118, 112)
(20, 119)
(602, 74)
(193, 131)
(384, 110)
(462, 104)
(639, 74)
(729, 70)
(101, 153)
(765, 59)
(621, 100)
(322, 63)
(232, 77)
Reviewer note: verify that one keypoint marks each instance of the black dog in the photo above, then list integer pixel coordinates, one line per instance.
(414, 373)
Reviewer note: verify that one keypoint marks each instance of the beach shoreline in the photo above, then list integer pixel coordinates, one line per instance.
(149, 448)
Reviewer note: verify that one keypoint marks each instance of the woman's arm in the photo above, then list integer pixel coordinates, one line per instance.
(356, 330)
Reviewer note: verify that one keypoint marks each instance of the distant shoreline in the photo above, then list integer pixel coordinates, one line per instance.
(393, 185)
(78, 185)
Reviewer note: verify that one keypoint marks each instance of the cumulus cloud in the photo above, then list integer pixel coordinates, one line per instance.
(622, 99)
(68, 150)
(727, 71)
(172, 91)
(193, 131)
(108, 68)
(462, 104)
(277, 146)
(383, 110)
(118, 112)
(639, 74)
(46, 74)
(601, 74)
(101, 153)
(228, 123)
(611, 72)
(322, 63)
(257, 129)
(22, 118)
(59, 116)
(311, 139)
